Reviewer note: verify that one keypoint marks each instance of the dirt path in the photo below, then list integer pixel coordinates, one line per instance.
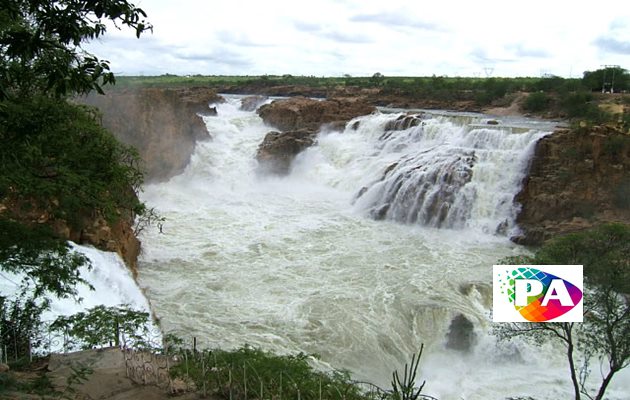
(513, 110)
(107, 379)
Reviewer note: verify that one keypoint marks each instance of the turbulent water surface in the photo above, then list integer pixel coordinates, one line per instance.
(373, 244)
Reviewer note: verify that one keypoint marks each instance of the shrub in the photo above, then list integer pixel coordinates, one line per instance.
(536, 102)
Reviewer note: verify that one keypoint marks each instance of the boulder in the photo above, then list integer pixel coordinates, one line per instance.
(251, 103)
(278, 149)
(304, 113)
(461, 334)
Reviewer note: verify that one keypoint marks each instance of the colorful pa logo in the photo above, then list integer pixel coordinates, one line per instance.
(540, 293)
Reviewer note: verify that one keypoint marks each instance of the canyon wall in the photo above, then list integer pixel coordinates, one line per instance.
(162, 124)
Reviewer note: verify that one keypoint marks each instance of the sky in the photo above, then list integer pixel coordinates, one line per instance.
(474, 38)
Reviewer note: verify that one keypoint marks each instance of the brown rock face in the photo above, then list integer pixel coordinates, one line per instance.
(251, 103)
(578, 179)
(300, 118)
(304, 113)
(117, 236)
(278, 149)
(163, 124)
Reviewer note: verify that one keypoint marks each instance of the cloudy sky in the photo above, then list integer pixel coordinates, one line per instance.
(361, 37)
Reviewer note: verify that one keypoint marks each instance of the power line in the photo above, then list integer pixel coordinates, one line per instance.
(612, 79)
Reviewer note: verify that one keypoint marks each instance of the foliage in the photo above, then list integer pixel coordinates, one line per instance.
(536, 102)
(564, 97)
(48, 265)
(19, 325)
(40, 44)
(40, 385)
(56, 156)
(605, 333)
(253, 372)
(103, 326)
(56, 161)
(602, 79)
(406, 389)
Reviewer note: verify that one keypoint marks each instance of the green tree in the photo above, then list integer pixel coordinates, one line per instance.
(606, 79)
(40, 44)
(605, 333)
(55, 159)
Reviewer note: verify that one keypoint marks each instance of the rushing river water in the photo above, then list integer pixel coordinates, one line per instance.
(373, 244)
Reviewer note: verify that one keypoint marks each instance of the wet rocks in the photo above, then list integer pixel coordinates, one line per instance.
(403, 122)
(278, 149)
(251, 103)
(299, 119)
(461, 334)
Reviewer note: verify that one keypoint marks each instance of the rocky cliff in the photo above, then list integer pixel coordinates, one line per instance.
(117, 236)
(163, 124)
(578, 178)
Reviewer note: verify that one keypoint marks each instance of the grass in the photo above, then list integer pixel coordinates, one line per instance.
(253, 373)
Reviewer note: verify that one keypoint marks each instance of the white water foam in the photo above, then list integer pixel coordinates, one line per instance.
(291, 264)
(112, 281)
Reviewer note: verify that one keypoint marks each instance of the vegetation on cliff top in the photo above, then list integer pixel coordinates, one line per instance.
(547, 96)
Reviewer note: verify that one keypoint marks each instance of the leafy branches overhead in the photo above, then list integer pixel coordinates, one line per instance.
(47, 264)
(40, 43)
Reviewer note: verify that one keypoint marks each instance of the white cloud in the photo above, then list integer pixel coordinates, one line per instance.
(361, 37)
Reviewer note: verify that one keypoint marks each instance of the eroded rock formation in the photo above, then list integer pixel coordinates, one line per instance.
(300, 119)
(116, 236)
(163, 124)
(304, 113)
(278, 149)
(578, 179)
(251, 103)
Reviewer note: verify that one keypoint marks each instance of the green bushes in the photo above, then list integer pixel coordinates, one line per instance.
(253, 373)
(536, 102)
(56, 155)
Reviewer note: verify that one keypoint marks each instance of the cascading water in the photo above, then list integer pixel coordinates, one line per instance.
(112, 285)
(296, 263)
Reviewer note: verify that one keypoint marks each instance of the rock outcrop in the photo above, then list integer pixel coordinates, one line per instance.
(300, 119)
(117, 235)
(304, 113)
(578, 178)
(163, 124)
(251, 103)
(278, 149)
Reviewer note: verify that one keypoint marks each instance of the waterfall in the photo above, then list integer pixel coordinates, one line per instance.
(438, 171)
(381, 238)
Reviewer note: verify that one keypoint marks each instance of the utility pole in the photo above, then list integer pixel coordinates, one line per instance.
(612, 79)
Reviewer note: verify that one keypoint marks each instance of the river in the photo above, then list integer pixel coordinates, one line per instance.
(373, 244)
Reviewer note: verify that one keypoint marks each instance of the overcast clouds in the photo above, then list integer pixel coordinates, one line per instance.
(394, 37)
